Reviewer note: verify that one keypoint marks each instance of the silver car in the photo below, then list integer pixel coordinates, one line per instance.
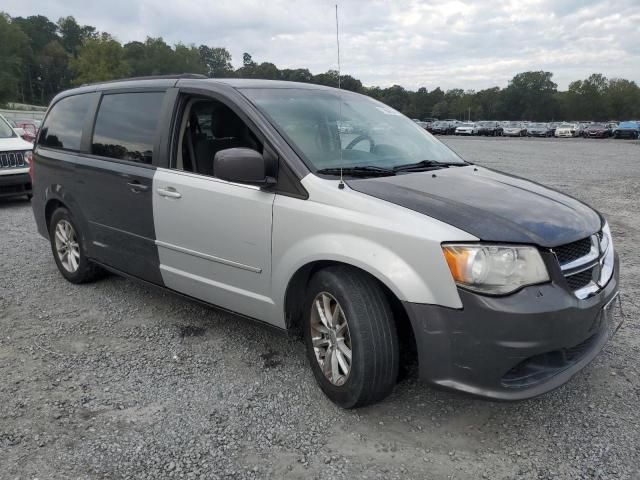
(374, 242)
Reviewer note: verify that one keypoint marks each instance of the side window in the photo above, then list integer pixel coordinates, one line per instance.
(63, 126)
(126, 126)
(208, 127)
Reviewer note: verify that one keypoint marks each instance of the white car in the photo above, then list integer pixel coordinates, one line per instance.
(566, 130)
(466, 129)
(15, 155)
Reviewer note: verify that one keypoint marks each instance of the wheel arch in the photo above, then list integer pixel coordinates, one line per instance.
(296, 291)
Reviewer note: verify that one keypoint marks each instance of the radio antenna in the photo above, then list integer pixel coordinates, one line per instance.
(341, 183)
(338, 43)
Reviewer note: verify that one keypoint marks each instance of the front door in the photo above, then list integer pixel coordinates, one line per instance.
(214, 240)
(213, 237)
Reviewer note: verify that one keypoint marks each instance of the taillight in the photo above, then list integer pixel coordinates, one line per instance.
(28, 157)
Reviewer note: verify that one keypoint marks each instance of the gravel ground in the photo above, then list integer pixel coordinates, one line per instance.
(116, 380)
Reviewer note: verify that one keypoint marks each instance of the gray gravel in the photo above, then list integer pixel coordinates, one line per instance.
(116, 380)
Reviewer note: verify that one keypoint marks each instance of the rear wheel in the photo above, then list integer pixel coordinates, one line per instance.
(67, 245)
(351, 337)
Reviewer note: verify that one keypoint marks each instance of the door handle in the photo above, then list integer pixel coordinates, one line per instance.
(168, 192)
(137, 187)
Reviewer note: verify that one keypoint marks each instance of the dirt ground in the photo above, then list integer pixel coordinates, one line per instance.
(116, 380)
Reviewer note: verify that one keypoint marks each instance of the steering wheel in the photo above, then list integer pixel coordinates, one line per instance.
(361, 138)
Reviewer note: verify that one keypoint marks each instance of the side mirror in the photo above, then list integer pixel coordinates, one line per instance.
(242, 165)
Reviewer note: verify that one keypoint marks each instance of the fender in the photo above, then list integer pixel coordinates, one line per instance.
(398, 246)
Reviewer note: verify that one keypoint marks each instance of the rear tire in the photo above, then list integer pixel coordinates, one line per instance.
(353, 298)
(68, 248)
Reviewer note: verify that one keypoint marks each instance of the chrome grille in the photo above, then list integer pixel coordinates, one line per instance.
(12, 160)
(580, 280)
(573, 251)
(581, 264)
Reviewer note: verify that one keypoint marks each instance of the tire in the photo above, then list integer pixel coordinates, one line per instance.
(65, 236)
(371, 333)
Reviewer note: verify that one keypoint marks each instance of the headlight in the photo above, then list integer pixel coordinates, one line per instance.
(495, 269)
(606, 248)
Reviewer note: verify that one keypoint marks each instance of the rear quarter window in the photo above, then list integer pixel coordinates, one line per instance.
(126, 126)
(62, 128)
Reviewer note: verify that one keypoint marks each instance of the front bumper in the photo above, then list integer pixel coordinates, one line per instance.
(625, 133)
(484, 348)
(15, 185)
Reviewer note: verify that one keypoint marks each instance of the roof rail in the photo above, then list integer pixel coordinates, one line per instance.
(150, 77)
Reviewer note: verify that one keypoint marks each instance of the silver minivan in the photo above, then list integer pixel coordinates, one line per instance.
(372, 241)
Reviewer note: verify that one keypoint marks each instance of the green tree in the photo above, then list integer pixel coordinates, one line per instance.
(217, 61)
(14, 49)
(623, 99)
(531, 96)
(73, 35)
(186, 59)
(99, 59)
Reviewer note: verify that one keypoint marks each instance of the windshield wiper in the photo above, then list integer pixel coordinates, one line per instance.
(361, 171)
(426, 165)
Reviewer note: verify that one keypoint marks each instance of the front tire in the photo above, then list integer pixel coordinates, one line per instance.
(350, 336)
(67, 246)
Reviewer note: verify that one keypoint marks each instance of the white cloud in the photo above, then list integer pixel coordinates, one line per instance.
(470, 45)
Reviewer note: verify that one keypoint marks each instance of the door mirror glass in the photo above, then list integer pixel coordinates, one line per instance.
(242, 165)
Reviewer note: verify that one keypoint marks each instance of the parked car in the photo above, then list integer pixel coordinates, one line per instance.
(581, 127)
(539, 130)
(627, 130)
(489, 128)
(430, 122)
(443, 127)
(553, 126)
(30, 127)
(466, 129)
(567, 130)
(597, 130)
(515, 129)
(503, 286)
(15, 156)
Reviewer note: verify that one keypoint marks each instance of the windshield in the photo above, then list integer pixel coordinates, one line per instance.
(628, 125)
(466, 125)
(567, 125)
(514, 124)
(5, 129)
(379, 135)
(538, 125)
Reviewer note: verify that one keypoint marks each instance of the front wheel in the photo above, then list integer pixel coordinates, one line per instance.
(351, 337)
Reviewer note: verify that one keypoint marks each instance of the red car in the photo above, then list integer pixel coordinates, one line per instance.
(30, 128)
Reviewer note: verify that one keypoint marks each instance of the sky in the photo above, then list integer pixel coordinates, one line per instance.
(451, 44)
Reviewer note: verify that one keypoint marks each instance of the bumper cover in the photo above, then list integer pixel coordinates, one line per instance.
(481, 348)
(15, 185)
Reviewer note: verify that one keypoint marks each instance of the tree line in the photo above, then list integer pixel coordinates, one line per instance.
(39, 58)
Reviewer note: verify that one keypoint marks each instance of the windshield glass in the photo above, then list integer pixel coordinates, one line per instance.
(628, 125)
(379, 135)
(466, 125)
(514, 124)
(567, 125)
(5, 129)
(538, 125)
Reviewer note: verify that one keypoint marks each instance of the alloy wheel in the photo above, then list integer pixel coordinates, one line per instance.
(331, 338)
(67, 246)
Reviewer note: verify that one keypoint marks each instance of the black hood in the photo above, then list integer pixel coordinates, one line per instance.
(489, 205)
